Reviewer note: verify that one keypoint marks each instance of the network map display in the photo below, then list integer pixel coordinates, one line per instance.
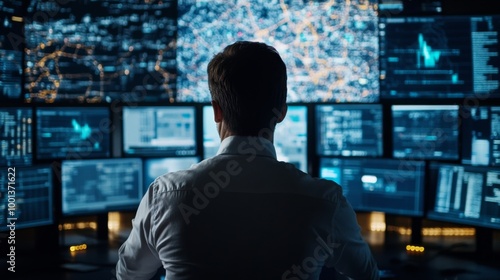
(481, 135)
(99, 186)
(386, 185)
(16, 141)
(73, 132)
(425, 131)
(10, 49)
(155, 167)
(99, 51)
(330, 47)
(159, 131)
(33, 196)
(349, 130)
(466, 195)
(290, 136)
(439, 57)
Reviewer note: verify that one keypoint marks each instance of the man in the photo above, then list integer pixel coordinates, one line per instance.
(242, 214)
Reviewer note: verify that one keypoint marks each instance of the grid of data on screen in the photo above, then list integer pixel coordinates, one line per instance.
(16, 136)
(386, 185)
(100, 51)
(425, 131)
(321, 42)
(73, 132)
(481, 135)
(439, 57)
(33, 197)
(159, 131)
(466, 195)
(98, 186)
(349, 130)
(11, 49)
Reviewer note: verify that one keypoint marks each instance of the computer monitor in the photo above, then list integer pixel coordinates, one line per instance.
(155, 167)
(26, 197)
(439, 56)
(425, 131)
(330, 48)
(16, 136)
(100, 51)
(159, 131)
(481, 135)
(91, 187)
(383, 185)
(464, 194)
(11, 37)
(72, 132)
(349, 130)
(211, 138)
(290, 136)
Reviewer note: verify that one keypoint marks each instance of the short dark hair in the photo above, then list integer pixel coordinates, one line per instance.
(248, 81)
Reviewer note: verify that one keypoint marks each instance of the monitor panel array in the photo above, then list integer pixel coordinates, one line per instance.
(402, 109)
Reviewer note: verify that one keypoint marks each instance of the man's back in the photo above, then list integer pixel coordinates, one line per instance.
(244, 215)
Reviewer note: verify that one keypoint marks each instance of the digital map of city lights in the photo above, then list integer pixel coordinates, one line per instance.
(330, 47)
(98, 51)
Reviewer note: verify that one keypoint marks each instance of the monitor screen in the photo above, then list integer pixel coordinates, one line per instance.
(100, 51)
(425, 131)
(159, 131)
(466, 195)
(155, 167)
(290, 136)
(349, 130)
(384, 185)
(16, 136)
(11, 38)
(211, 138)
(330, 48)
(73, 132)
(481, 135)
(439, 57)
(26, 196)
(98, 186)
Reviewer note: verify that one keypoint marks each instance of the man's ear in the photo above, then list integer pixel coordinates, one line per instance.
(217, 111)
(282, 115)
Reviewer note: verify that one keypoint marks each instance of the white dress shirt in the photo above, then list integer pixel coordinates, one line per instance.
(244, 215)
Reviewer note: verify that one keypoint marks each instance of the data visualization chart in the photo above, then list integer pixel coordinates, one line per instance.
(439, 57)
(330, 47)
(73, 132)
(100, 51)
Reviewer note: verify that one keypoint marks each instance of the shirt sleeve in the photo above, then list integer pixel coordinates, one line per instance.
(352, 256)
(137, 257)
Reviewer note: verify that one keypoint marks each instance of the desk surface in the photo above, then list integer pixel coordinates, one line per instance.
(443, 258)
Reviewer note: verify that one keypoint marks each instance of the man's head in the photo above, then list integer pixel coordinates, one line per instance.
(247, 81)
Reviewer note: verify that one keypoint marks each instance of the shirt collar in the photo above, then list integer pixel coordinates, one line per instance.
(245, 145)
